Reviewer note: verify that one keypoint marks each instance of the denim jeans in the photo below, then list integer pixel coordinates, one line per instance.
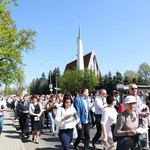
(52, 122)
(65, 137)
(1, 123)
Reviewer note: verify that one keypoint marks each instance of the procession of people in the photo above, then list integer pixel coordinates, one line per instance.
(71, 117)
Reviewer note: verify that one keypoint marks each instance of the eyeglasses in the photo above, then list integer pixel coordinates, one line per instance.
(133, 88)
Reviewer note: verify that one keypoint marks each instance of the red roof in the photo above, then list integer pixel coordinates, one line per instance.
(73, 64)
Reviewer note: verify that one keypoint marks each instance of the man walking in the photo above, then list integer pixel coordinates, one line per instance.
(82, 106)
(99, 103)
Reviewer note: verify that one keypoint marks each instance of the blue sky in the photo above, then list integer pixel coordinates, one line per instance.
(117, 30)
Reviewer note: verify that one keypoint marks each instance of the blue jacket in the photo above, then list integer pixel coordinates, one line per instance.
(81, 111)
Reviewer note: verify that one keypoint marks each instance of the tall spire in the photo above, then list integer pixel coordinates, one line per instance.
(80, 61)
(79, 33)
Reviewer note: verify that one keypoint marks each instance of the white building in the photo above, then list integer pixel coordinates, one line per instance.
(88, 61)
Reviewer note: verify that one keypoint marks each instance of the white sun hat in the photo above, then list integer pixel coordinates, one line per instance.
(130, 99)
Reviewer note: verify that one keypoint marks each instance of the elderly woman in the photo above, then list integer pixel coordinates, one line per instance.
(127, 126)
(66, 118)
(109, 117)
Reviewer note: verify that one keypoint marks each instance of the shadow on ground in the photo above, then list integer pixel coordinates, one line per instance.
(10, 132)
(8, 124)
(13, 136)
(46, 148)
(51, 139)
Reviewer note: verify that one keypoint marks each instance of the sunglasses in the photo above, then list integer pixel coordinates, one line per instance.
(133, 88)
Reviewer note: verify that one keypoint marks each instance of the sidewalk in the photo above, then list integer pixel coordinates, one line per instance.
(9, 139)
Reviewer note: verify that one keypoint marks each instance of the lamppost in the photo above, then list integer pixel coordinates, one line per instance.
(50, 83)
(56, 88)
(56, 85)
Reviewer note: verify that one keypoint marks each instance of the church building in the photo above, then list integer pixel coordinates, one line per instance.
(82, 62)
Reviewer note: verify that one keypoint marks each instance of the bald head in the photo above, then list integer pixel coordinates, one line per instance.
(133, 89)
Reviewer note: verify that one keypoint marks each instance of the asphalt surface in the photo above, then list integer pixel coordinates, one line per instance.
(49, 142)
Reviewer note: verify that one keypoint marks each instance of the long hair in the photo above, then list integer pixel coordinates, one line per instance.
(66, 97)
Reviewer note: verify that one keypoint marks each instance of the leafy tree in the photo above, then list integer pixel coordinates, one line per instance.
(118, 78)
(108, 83)
(7, 90)
(144, 72)
(32, 86)
(5, 4)
(140, 80)
(126, 80)
(12, 44)
(129, 76)
(75, 80)
(43, 85)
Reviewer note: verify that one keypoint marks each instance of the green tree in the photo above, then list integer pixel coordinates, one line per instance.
(144, 72)
(43, 84)
(39, 85)
(108, 83)
(7, 90)
(118, 78)
(140, 80)
(129, 77)
(32, 86)
(12, 44)
(75, 80)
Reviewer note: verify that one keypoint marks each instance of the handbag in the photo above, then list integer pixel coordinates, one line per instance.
(36, 118)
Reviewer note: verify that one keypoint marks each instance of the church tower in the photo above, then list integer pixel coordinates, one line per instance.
(80, 61)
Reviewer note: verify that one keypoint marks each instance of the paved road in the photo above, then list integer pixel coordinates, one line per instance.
(49, 142)
(9, 139)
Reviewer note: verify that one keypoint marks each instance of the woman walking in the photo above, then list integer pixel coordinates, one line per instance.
(127, 126)
(66, 119)
(109, 117)
(35, 110)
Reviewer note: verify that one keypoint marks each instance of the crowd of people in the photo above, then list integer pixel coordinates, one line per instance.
(123, 123)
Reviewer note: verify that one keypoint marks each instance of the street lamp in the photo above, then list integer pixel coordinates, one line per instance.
(57, 88)
(56, 85)
(50, 84)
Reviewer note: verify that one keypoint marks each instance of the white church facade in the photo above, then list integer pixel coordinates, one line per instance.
(82, 62)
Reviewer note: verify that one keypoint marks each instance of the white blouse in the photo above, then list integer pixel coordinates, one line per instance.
(2, 103)
(69, 123)
(109, 116)
(32, 107)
